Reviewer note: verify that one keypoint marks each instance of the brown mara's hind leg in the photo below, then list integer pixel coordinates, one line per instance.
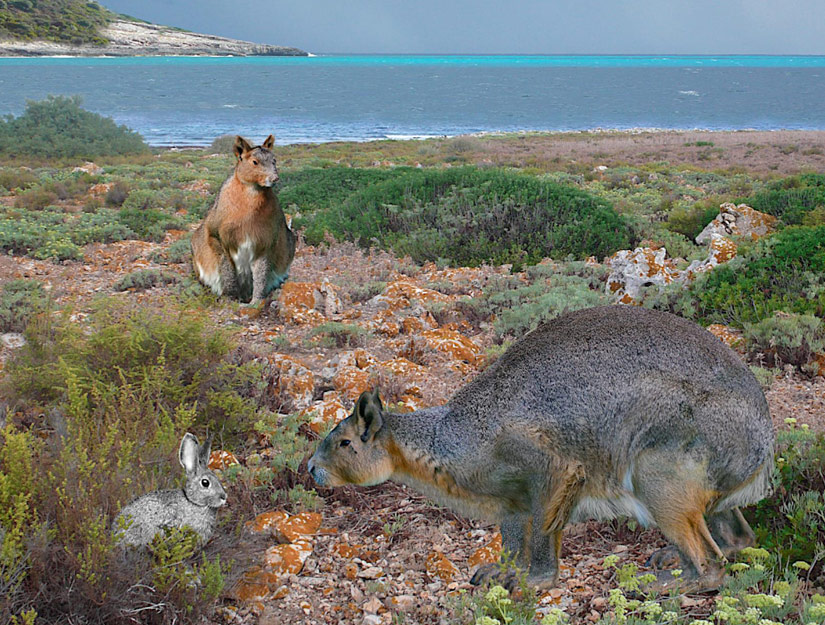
(674, 491)
(211, 264)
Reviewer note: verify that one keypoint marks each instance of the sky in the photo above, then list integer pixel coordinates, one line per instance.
(502, 26)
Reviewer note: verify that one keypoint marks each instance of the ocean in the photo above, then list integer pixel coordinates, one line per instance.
(185, 101)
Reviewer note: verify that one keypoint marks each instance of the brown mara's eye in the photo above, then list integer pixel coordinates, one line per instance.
(254, 162)
(205, 483)
(346, 442)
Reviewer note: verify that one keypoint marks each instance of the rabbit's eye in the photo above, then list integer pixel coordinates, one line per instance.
(345, 443)
(205, 483)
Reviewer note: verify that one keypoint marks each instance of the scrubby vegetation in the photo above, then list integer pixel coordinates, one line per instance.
(58, 127)
(470, 216)
(95, 405)
(69, 21)
(119, 393)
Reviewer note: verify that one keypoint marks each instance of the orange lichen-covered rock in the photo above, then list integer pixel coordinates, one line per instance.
(298, 527)
(633, 270)
(293, 379)
(288, 558)
(456, 345)
(266, 522)
(220, 460)
(438, 565)
(729, 336)
(722, 249)
(488, 554)
(101, 188)
(327, 412)
(307, 302)
(255, 585)
(346, 551)
(739, 220)
(401, 293)
(351, 381)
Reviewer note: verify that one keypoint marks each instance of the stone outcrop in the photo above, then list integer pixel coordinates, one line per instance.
(740, 220)
(127, 38)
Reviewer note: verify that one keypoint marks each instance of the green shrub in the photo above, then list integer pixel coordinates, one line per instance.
(313, 189)
(55, 234)
(140, 213)
(144, 279)
(20, 300)
(785, 339)
(691, 221)
(470, 216)
(16, 178)
(35, 199)
(791, 199)
(784, 272)
(178, 252)
(341, 334)
(791, 522)
(58, 128)
(224, 144)
(117, 194)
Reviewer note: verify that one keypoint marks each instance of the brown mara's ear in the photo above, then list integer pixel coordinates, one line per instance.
(368, 414)
(269, 143)
(241, 146)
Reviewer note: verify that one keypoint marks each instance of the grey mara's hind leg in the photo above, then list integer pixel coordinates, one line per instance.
(264, 279)
(731, 531)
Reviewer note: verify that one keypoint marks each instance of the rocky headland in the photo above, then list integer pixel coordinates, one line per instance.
(131, 38)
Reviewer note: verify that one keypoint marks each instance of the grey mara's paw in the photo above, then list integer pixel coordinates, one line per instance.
(489, 574)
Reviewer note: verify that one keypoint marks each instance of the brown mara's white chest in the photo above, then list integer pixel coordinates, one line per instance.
(243, 256)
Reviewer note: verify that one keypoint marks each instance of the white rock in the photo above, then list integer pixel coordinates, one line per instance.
(12, 340)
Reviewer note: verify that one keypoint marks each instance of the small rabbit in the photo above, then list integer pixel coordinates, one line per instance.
(195, 505)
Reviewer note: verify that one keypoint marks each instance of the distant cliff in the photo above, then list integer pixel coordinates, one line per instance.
(122, 37)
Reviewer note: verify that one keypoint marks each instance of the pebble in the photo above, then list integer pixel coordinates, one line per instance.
(372, 572)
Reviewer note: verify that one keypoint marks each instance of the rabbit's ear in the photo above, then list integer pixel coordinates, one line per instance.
(188, 453)
(204, 451)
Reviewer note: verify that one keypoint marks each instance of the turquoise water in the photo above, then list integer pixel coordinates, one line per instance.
(189, 101)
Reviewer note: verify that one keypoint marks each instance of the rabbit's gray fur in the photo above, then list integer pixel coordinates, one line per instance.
(195, 505)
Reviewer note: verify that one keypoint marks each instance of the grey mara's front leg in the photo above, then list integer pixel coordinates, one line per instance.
(260, 276)
(229, 277)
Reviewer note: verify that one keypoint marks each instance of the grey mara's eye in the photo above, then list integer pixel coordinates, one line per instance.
(205, 483)
(345, 443)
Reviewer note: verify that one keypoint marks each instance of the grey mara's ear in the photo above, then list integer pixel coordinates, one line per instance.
(241, 146)
(269, 143)
(204, 451)
(189, 453)
(368, 414)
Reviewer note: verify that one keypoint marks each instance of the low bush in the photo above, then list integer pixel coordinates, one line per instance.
(144, 279)
(58, 127)
(339, 334)
(20, 300)
(791, 199)
(115, 396)
(785, 339)
(691, 221)
(313, 189)
(470, 216)
(16, 178)
(791, 522)
(783, 272)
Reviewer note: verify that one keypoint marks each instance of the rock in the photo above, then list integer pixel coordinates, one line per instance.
(401, 603)
(101, 188)
(294, 379)
(439, 566)
(327, 412)
(266, 522)
(371, 619)
(220, 460)
(373, 605)
(307, 302)
(288, 558)
(299, 526)
(401, 293)
(89, 168)
(729, 336)
(455, 344)
(488, 554)
(371, 572)
(12, 340)
(350, 382)
(739, 220)
(633, 270)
